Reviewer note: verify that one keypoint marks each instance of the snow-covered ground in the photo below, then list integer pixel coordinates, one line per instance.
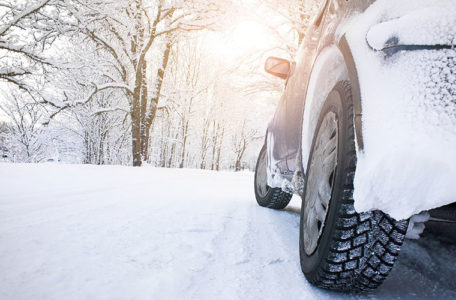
(89, 232)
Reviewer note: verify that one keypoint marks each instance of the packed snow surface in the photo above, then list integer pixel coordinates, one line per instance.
(408, 99)
(90, 232)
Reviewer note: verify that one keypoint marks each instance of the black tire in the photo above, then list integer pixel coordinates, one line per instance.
(354, 252)
(273, 197)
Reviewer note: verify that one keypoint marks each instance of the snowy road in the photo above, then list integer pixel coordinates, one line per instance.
(88, 232)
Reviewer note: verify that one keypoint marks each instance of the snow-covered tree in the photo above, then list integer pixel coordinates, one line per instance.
(27, 30)
(135, 39)
(127, 81)
(24, 134)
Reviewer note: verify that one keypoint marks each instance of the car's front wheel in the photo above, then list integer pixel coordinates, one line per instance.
(264, 194)
(339, 248)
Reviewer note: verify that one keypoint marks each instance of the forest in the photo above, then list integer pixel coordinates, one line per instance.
(167, 83)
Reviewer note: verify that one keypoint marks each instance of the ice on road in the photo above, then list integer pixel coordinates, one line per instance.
(90, 232)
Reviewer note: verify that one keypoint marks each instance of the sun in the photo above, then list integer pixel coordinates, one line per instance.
(250, 35)
(242, 39)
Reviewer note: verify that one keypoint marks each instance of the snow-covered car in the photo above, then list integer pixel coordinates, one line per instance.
(365, 133)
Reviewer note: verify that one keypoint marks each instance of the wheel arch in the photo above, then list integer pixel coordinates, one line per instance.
(331, 66)
(355, 88)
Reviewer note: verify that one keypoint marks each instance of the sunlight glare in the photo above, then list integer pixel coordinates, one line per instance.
(247, 37)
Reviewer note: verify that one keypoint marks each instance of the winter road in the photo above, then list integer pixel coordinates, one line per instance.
(87, 232)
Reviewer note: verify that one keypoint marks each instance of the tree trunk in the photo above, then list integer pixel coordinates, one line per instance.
(204, 142)
(214, 143)
(135, 112)
(144, 129)
(219, 150)
(152, 104)
(164, 146)
(136, 122)
(239, 156)
(185, 132)
(173, 150)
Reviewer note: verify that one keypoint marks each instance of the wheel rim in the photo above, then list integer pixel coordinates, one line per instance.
(262, 176)
(320, 182)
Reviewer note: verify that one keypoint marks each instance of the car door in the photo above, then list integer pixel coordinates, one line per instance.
(294, 96)
(277, 148)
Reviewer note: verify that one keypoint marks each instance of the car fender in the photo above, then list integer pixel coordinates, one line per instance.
(329, 68)
(405, 104)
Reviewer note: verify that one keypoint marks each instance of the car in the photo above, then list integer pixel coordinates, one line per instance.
(365, 134)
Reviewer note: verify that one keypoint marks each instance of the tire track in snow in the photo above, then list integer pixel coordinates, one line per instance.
(211, 281)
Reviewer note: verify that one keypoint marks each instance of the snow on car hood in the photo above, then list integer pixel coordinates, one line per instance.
(427, 26)
(408, 163)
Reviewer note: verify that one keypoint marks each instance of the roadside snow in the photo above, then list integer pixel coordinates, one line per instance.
(90, 232)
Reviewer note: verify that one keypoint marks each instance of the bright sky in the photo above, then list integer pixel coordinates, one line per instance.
(246, 31)
(245, 38)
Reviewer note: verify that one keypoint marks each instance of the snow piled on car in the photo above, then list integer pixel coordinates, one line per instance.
(408, 163)
(427, 26)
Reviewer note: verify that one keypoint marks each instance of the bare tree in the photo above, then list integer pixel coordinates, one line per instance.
(26, 33)
(25, 129)
(4, 143)
(103, 132)
(204, 143)
(242, 138)
(296, 16)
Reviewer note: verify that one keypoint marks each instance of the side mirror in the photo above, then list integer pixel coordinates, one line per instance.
(278, 67)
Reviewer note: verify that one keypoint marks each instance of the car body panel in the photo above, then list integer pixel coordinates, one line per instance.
(324, 44)
(285, 151)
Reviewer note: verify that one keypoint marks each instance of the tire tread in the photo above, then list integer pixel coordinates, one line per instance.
(364, 246)
(278, 199)
(275, 198)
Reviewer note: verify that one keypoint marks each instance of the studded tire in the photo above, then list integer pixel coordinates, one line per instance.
(355, 251)
(273, 197)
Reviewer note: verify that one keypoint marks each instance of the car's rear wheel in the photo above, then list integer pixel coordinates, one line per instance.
(339, 248)
(264, 194)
